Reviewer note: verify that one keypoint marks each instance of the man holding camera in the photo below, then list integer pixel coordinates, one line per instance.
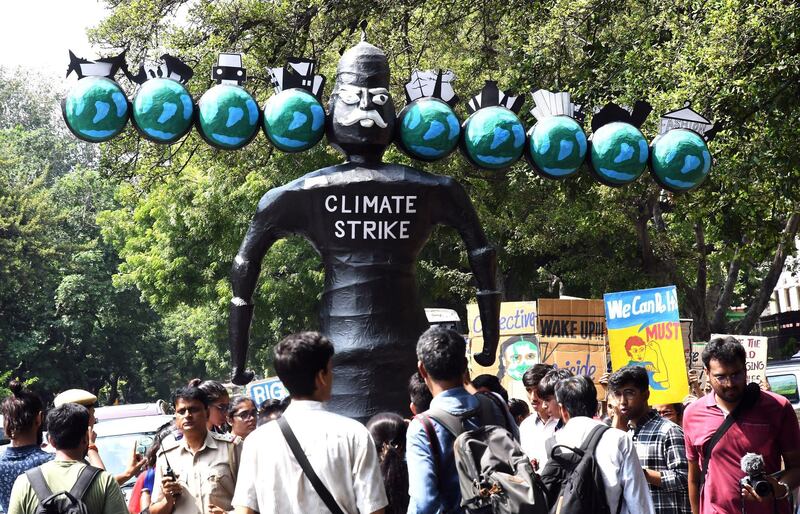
(726, 425)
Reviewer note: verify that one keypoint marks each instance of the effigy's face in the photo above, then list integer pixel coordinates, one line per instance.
(361, 114)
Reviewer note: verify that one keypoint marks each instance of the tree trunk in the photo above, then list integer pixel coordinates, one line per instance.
(718, 322)
(785, 247)
(696, 296)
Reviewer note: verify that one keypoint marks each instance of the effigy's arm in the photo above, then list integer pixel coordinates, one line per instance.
(459, 213)
(264, 230)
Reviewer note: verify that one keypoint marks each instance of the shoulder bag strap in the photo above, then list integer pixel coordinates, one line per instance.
(319, 487)
(487, 414)
(593, 440)
(84, 481)
(453, 424)
(436, 450)
(748, 400)
(39, 484)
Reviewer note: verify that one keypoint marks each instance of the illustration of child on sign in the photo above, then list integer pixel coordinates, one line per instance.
(648, 355)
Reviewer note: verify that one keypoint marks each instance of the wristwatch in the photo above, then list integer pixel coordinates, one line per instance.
(786, 493)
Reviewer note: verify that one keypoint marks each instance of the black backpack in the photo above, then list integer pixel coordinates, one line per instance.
(494, 474)
(64, 502)
(572, 480)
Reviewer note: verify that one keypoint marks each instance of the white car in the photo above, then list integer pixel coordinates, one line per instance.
(132, 410)
(783, 378)
(117, 438)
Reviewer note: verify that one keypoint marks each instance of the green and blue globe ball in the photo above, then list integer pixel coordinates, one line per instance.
(619, 153)
(228, 117)
(163, 110)
(96, 109)
(680, 160)
(294, 120)
(557, 146)
(493, 138)
(429, 129)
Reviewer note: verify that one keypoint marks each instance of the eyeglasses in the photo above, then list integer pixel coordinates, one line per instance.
(729, 379)
(246, 414)
(223, 407)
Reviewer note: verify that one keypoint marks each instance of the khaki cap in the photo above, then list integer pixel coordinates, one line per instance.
(80, 396)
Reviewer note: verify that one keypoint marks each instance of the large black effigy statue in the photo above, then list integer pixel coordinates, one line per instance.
(368, 220)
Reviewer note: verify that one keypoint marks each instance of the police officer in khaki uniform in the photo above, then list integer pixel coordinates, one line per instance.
(196, 469)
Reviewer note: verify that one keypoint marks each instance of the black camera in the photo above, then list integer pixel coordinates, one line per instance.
(753, 465)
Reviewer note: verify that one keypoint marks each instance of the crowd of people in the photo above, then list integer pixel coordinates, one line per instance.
(733, 449)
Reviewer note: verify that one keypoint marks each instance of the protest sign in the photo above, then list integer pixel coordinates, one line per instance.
(644, 330)
(518, 349)
(268, 389)
(572, 335)
(696, 363)
(686, 334)
(755, 348)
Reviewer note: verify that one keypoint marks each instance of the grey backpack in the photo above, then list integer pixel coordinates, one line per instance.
(494, 474)
(63, 502)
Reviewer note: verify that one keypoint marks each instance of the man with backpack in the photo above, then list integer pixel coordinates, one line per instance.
(44, 489)
(432, 475)
(592, 468)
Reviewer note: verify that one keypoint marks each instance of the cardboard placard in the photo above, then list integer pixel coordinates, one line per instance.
(516, 318)
(572, 334)
(566, 333)
(696, 363)
(517, 351)
(644, 329)
(755, 348)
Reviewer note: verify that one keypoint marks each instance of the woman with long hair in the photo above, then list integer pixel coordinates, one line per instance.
(219, 403)
(22, 422)
(389, 433)
(242, 416)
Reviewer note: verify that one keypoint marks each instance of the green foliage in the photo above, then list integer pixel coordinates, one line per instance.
(62, 321)
(180, 220)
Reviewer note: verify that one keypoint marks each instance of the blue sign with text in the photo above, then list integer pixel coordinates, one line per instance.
(267, 389)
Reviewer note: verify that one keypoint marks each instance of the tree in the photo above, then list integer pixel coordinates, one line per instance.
(63, 323)
(186, 210)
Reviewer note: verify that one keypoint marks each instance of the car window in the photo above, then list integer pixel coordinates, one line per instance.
(116, 450)
(785, 385)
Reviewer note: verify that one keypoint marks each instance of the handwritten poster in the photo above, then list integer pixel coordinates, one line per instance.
(755, 348)
(644, 330)
(572, 335)
(696, 363)
(517, 350)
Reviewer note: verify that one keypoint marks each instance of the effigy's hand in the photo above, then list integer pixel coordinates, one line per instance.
(241, 377)
(489, 307)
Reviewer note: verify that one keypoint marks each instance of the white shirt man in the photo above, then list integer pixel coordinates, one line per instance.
(532, 432)
(339, 449)
(615, 453)
(619, 465)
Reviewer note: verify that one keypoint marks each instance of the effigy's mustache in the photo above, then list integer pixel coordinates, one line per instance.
(366, 118)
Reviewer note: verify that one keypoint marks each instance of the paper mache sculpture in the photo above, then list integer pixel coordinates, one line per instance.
(367, 219)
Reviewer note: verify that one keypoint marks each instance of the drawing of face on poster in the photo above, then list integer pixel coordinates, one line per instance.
(517, 355)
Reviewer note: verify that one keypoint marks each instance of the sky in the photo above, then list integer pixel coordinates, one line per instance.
(36, 34)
